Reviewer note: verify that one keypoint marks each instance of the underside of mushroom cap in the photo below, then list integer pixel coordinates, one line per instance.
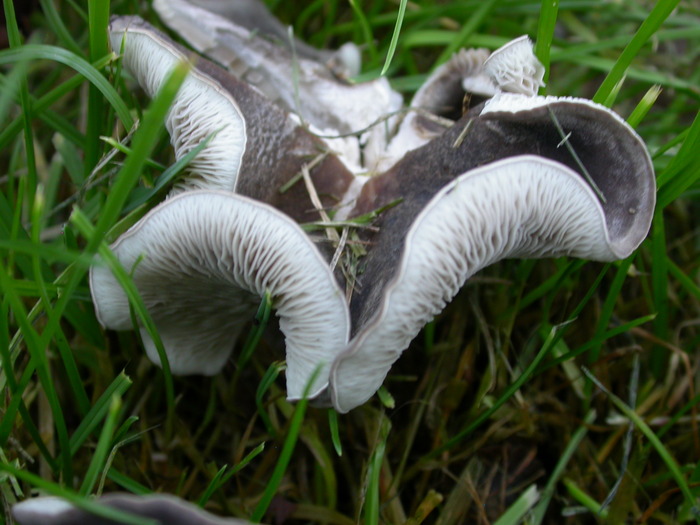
(201, 262)
(200, 109)
(269, 147)
(604, 147)
(514, 67)
(166, 509)
(518, 207)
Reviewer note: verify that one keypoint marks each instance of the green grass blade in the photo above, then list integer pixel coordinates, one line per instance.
(539, 511)
(649, 27)
(395, 36)
(468, 28)
(654, 440)
(103, 447)
(335, 433)
(55, 22)
(98, 20)
(372, 497)
(222, 477)
(285, 454)
(520, 507)
(545, 33)
(97, 413)
(30, 52)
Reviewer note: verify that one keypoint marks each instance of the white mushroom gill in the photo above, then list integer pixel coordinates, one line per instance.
(523, 206)
(202, 261)
(514, 67)
(201, 108)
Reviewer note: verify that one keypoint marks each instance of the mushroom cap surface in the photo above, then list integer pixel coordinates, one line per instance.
(201, 262)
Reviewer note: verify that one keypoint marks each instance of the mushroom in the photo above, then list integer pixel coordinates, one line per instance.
(201, 262)
(516, 176)
(520, 176)
(50, 510)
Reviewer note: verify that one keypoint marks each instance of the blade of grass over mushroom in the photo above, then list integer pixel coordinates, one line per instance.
(98, 19)
(82, 502)
(262, 317)
(145, 139)
(654, 440)
(136, 302)
(286, 452)
(651, 25)
(265, 384)
(394, 37)
(565, 142)
(168, 175)
(102, 449)
(545, 32)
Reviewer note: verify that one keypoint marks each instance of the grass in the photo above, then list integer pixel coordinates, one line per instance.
(554, 391)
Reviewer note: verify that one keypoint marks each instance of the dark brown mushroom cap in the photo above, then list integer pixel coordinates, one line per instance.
(492, 198)
(164, 509)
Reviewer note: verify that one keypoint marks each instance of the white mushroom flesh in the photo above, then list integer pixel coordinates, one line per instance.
(514, 68)
(201, 108)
